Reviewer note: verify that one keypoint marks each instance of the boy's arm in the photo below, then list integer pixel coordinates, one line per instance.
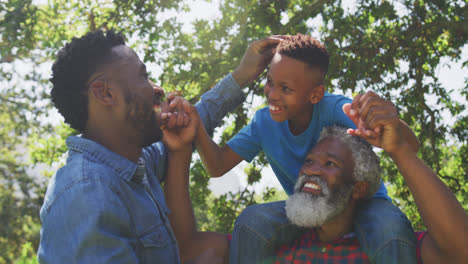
(227, 94)
(444, 217)
(368, 107)
(217, 160)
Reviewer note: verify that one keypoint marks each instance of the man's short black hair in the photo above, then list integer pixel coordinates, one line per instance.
(71, 71)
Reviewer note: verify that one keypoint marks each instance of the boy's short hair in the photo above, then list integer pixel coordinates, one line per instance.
(75, 64)
(306, 49)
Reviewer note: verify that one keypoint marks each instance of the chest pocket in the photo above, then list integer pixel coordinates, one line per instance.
(156, 246)
(156, 237)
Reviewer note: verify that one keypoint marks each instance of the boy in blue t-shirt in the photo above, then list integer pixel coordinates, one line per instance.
(298, 109)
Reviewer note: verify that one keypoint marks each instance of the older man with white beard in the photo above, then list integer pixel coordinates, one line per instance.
(342, 170)
(337, 165)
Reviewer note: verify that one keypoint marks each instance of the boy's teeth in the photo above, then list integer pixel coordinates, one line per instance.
(312, 186)
(274, 108)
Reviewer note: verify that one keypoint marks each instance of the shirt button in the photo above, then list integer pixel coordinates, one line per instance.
(324, 250)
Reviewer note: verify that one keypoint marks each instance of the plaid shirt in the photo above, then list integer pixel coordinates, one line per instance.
(309, 250)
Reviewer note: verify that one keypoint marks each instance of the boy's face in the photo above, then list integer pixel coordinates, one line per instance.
(291, 89)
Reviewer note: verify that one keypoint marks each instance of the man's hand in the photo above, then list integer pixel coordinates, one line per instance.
(376, 121)
(179, 124)
(256, 59)
(172, 113)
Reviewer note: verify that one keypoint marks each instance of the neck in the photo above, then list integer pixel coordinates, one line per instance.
(114, 141)
(338, 226)
(300, 124)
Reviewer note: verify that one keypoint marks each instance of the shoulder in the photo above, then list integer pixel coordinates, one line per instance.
(330, 110)
(331, 100)
(86, 197)
(80, 179)
(261, 123)
(263, 114)
(89, 211)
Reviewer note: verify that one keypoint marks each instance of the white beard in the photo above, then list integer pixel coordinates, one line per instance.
(308, 210)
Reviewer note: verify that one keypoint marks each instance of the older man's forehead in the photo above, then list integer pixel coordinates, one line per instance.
(333, 147)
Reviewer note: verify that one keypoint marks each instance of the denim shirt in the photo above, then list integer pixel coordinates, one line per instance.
(102, 208)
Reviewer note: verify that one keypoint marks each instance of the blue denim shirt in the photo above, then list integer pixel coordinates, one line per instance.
(102, 208)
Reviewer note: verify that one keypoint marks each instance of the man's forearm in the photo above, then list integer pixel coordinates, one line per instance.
(176, 189)
(176, 192)
(442, 214)
(409, 136)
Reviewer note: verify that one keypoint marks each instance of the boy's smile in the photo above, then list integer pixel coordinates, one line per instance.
(291, 91)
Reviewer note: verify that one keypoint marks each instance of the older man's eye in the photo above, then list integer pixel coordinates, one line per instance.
(331, 163)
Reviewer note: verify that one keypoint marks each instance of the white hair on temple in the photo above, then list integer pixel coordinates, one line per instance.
(366, 163)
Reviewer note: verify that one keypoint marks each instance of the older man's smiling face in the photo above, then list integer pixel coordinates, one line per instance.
(324, 186)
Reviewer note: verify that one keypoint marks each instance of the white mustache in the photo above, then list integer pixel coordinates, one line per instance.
(303, 178)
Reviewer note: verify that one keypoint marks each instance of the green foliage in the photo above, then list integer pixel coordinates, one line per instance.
(28, 255)
(369, 49)
(392, 47)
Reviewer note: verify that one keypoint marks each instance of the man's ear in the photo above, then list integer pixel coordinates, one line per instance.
(317, 94)
(101, 91)
(360, 190)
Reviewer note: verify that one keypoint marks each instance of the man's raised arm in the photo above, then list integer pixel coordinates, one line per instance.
(443, 215)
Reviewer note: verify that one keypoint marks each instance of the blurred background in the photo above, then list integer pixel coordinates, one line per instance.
(412, 52)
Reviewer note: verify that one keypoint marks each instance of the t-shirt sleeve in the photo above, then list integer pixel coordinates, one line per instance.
(246, 143)
(340, 117)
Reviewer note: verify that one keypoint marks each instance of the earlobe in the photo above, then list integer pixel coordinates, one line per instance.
(317, 94)
(101, 91)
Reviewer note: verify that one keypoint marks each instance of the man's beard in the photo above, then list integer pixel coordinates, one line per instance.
(143, 118)
(308, 210)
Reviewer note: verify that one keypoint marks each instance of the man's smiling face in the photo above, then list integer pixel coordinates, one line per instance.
(141, 96)
(331, 161)
(324, 186)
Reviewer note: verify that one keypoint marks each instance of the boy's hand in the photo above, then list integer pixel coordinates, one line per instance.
(376, 121)
(172, 114)
(256, 59)
(179, 127)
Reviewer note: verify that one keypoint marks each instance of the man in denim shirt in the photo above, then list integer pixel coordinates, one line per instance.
(106, 204)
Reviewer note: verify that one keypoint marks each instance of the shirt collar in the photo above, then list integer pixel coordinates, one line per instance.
(121, 165)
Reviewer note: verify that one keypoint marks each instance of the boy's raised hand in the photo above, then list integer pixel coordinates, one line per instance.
(173, 115)
(179, 124)
(376, 121)
(256, 59)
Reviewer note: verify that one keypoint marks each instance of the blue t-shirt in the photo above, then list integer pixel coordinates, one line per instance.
(286, 152)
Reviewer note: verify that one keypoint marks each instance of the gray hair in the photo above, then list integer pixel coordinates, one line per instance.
(366, 162)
